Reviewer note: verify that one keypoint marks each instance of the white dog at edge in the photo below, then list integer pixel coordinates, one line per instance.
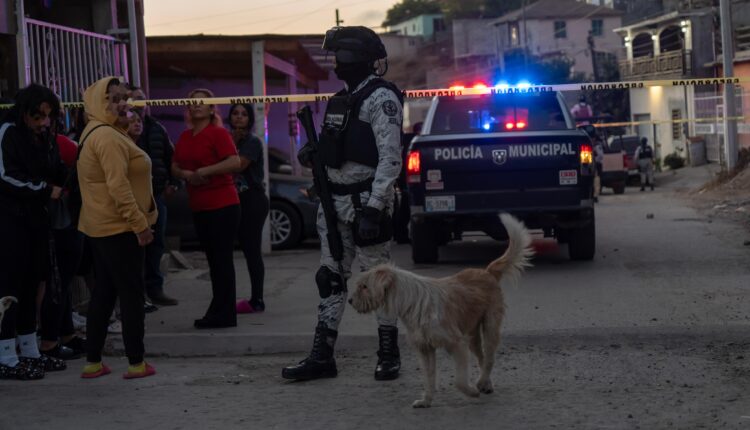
(460, 313)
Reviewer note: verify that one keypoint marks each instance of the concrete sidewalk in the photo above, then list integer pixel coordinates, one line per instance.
(287, 325)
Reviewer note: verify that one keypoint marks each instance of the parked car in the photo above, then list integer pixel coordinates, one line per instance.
(292, 216)
(627, 143)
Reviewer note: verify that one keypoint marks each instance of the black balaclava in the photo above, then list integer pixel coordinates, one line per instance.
(353, 73)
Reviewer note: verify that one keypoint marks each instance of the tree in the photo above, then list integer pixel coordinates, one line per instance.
(408, 9)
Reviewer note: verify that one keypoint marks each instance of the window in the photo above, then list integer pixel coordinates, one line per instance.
(597, 27)
(514, 38)
(414, 28)
(560, 30)
(676, 126)
(438, 24)
(492, 114)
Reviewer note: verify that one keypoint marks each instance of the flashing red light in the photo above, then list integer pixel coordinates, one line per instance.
(480, 86)
(587, 154)
(457, 87)
(509, 126)
(413, 167)
(520, 124)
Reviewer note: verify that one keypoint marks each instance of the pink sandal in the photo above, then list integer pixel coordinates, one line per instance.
(147, 372)
(244, 307)
(101, 372)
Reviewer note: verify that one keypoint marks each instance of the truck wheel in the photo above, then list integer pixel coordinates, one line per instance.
(619, 188)
(424, 242)
(582, 242)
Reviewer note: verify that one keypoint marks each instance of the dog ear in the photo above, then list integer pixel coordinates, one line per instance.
(384, 276)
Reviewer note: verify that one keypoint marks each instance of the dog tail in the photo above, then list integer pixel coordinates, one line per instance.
(516, 258)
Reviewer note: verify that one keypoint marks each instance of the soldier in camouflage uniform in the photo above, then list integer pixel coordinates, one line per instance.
(360, 145)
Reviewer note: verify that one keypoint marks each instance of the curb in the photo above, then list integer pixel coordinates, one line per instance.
(241, 344)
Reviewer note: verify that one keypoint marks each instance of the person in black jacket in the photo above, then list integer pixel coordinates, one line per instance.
(155, 142)
(31, 174)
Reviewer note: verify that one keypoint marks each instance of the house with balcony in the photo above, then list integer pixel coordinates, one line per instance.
(569, 29)
(68, 45)
(677, 44)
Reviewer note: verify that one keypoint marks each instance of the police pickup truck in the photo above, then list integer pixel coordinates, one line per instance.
(479, 155)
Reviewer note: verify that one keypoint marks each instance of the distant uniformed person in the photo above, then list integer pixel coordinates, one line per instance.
(644, 155)
(360, 144)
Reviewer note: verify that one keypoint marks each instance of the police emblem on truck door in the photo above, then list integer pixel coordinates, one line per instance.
(499, 156)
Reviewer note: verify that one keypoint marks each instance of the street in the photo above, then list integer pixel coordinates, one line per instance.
(652, 334)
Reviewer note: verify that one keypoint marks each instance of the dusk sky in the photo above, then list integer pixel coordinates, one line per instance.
(172, 17)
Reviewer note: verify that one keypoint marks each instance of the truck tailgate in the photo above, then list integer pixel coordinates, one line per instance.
(461, 173)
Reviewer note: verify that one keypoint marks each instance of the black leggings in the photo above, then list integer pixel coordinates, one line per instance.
(118, 264)
(216, 230)
(24, 257)
(254, 213)
(56, 314)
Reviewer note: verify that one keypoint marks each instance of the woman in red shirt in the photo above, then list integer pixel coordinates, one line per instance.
(206, 158)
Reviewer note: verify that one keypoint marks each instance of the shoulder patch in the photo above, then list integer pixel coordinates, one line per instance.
(389, 108)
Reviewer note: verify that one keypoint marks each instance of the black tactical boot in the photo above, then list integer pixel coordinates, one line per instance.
(389, 359)
(320, 363)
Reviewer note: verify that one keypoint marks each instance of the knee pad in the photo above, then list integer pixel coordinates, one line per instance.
(329, 282)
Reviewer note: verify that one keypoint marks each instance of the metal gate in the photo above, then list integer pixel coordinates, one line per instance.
(68, 60)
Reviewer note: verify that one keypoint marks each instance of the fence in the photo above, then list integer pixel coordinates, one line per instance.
(68, 60)
(711, 105)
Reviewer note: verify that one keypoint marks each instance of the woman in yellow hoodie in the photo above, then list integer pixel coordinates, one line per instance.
(117, 213)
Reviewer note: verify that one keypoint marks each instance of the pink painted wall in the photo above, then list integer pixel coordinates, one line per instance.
(277, 114)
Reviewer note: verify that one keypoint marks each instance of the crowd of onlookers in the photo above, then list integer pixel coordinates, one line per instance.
(89, 200)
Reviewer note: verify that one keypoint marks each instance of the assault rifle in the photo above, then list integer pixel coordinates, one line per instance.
(320, 183)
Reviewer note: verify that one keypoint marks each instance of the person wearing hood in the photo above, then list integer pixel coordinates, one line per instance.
(117, 212)
(31, 175)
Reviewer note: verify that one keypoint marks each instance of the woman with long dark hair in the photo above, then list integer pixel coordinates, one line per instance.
(253, 201)
(206, 158)
(31, 175)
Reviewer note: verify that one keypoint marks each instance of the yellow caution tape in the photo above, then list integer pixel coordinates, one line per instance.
(667, 121)
(415, 94)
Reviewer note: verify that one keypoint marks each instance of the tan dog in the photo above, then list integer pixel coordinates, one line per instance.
(5, 303)
(459, 313)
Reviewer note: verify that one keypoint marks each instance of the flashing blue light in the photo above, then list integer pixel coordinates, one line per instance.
(486, 126)
(523, 85)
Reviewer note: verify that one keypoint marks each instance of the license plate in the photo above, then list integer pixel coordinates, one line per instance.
(440, 203)
(568, 177)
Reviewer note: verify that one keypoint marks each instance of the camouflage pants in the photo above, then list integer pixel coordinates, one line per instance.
(331, 308)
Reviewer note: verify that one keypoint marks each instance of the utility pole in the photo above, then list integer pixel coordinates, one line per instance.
(592, 49)
(338, 21)
(22, 47)
(727, 52)
(525, 48)
(135, 64)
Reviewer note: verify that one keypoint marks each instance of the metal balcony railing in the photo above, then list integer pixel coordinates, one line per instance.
(671, 64)
(68, 60)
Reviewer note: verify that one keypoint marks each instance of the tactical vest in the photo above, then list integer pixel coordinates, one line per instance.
(646, 152)
(344, 137)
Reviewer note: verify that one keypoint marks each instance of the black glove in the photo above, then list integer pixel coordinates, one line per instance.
(369, 223)
(306, 155)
